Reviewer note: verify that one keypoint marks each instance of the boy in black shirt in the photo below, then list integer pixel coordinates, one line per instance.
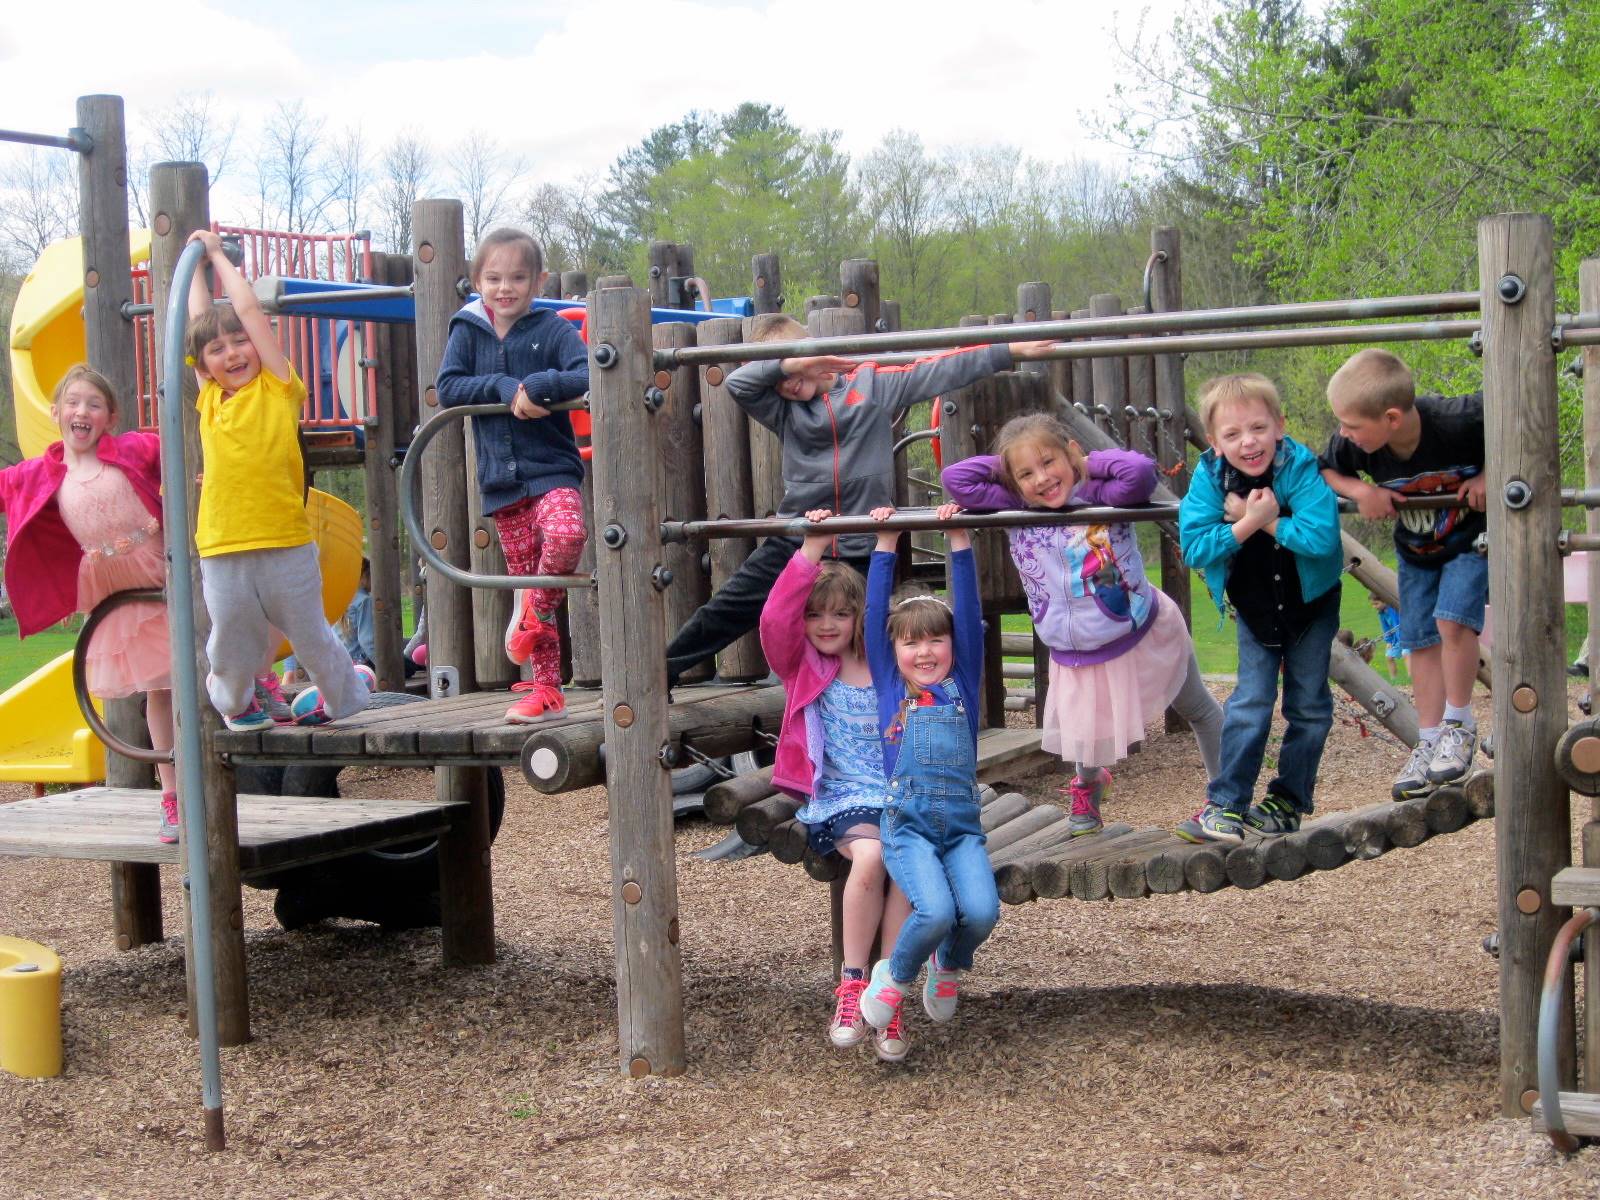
(1421, 447)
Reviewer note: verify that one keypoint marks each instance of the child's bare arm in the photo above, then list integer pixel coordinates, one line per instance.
(888, 539)
(246, 307)
(813, 544)
(199, 290)
(959, 538)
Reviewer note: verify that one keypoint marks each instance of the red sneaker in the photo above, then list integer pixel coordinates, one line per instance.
(542, 702)
(524, 628)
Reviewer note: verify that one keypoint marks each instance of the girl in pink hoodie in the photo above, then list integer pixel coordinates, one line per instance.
(830, 755)
(83, 520)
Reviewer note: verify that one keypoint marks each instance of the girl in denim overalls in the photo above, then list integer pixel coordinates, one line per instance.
(927, 663)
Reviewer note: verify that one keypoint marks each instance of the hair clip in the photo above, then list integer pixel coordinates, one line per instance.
(188, 360)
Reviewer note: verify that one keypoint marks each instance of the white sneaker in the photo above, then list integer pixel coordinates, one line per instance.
(1452, 753)
(890, 1042)
(940, 991)
(880, 1003)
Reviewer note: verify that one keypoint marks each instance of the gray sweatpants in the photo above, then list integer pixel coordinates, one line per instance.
(246, 594)
(1197, 706)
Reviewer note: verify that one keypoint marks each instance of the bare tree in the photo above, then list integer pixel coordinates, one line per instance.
(38, 204)
(571, 225)
(295, 185)
(405, 170)
(350, 163)
(191, 129)
(482, 174)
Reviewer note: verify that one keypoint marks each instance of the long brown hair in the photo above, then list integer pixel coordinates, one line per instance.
(1038, 429)
(838, 583)
(95, 380)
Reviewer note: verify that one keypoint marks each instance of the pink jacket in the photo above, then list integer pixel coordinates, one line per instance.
(805, 672)
(42, 556)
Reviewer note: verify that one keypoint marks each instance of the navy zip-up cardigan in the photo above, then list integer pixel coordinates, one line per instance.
(542, 354)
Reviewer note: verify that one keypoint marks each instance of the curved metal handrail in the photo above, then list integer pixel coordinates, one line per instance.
(1551, 1003)
(80, 681)
(411, 503)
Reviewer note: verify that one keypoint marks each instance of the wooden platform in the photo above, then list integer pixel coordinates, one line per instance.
(461, 731)
(1580, 1113)
(106, 824)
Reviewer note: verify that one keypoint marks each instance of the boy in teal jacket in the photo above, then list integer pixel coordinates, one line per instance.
(1263, 526)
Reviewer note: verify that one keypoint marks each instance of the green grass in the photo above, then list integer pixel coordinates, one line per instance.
(19, 659)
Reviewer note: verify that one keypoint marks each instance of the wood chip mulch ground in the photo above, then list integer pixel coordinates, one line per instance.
(1335, 1036)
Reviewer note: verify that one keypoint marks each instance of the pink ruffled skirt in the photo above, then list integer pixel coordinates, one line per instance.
(1094, 713)
(131, 651)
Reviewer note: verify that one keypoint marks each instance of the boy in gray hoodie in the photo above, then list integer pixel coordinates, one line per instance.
(835, 419)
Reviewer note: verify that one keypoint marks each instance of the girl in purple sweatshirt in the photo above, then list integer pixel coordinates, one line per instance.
(1120, 653)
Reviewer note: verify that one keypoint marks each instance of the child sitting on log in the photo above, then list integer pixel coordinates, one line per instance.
(927, 665)
(1263, 527)
(835, 418)
(830, 757)
(1120, 652)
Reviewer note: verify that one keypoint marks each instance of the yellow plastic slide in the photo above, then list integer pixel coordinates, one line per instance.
(42, 735)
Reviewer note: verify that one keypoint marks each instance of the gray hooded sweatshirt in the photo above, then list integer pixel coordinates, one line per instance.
(838, 448)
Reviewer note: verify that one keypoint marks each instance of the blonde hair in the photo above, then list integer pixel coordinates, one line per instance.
(1038, 429)
(94, 379)
(776, 327)
(205, 328)
(532, 253)
(915, 612)
(837, 583)
(1371, 382)
(1221, 390)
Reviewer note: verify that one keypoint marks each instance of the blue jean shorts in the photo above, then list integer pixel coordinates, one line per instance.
(1456, 591)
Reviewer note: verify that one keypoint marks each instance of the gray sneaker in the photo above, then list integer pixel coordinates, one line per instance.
(269, 695)
(1452, 753)
(1413, 777)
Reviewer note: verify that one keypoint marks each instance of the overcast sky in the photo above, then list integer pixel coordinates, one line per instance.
(568, 86)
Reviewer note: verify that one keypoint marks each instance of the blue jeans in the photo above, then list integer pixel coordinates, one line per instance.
(1456, 591)
(933, 845)
(1247, 716)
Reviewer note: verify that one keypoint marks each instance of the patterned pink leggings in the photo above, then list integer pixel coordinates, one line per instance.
(544, 536)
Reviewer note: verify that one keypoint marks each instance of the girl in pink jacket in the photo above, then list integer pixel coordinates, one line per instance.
(83, 520)
(830, 756)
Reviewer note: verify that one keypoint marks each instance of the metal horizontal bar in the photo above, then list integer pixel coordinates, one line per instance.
(77, 139)
(411, 504)
(342, 295)
(1083, 327)
(1576, 334)
(920, 435)
(913, 519)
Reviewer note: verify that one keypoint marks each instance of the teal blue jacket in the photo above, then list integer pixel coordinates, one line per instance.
(1310, 532)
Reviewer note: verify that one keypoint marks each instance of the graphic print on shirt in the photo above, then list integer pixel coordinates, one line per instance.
(1430, 528)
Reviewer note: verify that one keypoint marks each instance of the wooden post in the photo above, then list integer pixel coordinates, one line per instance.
(107, 283)
(633, 650)
(583, 604)
(669, 260)
(766, 283)
(1166, 295)
(403, 346)
(1033, 304)
(681, 483)
(179, 203)
(858, 288)
(1082, 370)
(1060, 369)
(814, 303)
(1110, 374)
(551, 289)
(1532, 830)
(383, 509)
(726, 432)
(574, 284)
(766, 451)
(1589, 301)
(440, 263)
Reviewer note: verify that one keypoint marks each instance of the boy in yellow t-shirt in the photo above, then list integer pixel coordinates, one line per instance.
(258, 564)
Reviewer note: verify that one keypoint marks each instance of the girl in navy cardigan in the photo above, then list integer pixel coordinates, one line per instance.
(503, 352)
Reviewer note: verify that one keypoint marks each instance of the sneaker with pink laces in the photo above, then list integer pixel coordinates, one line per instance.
(880, 1003)
(1086, 796)
(847, 1028)
(168, 833)
(269, 695)
(527, 631)
(940, 991)
(890, 1042)
(542, 702)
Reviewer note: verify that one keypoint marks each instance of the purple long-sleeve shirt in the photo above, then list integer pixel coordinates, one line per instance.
(1085, 584)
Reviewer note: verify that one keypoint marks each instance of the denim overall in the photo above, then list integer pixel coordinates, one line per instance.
(933, 844)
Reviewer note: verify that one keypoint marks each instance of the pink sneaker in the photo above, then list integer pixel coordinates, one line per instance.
(420, 654)
(168, 834)
(847, 1028)
(540, 704)
(523, 632)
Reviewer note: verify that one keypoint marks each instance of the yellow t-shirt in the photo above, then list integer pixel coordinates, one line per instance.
(253, 494)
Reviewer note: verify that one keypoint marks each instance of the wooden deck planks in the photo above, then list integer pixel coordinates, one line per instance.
(119, 824)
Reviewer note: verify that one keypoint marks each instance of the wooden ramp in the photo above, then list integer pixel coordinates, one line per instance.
(1035, 857)
(107, 824)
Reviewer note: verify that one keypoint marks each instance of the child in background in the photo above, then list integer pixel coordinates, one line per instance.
(258, 563)
(835, 417)
(502, 351)
(829, 755)
(1389, 624)
(927, 664)
(1421, 446)
(83, 520)
(1120, 652)
(1263, 527)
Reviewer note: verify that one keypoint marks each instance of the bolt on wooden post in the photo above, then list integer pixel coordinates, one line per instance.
(1532, 824)
(644, 880)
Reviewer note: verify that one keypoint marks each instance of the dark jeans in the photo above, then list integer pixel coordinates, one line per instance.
(736, 607)
(1247, 716)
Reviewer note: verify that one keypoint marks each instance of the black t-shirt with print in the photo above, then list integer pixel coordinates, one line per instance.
(1449, 454)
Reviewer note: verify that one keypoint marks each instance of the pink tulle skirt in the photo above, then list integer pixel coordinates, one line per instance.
(1093, 714)
(131, 651)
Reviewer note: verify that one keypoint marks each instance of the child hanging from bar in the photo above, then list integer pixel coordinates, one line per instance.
(503, 351)
(830, 756)
(258, 563)
(835, 418)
